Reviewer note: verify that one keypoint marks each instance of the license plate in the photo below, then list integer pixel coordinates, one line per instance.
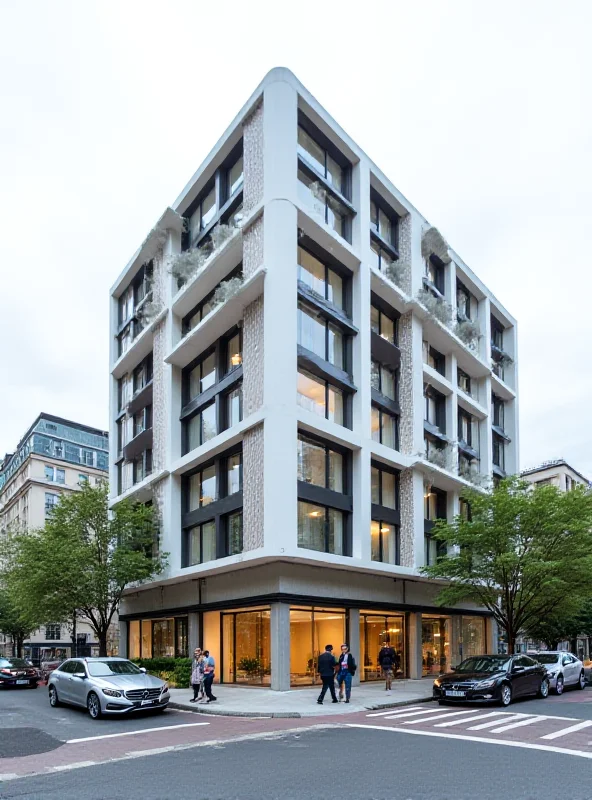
(21, 683)
(147, 702)
(456, 694)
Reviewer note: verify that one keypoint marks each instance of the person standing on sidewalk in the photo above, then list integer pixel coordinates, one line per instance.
(197, 675)
(345, 672)
(209, 672)
(387, 659)
(326, 666)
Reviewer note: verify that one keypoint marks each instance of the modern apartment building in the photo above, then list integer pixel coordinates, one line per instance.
(555, 473)
(53, 458)
(304, 377)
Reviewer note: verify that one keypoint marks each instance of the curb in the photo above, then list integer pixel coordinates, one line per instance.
(290, 714)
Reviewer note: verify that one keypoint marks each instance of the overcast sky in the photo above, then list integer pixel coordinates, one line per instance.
(480, 114)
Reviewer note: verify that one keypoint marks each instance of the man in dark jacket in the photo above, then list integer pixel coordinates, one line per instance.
(387, 658)
(326, 666)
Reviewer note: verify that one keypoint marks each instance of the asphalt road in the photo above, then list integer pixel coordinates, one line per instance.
(354, 763)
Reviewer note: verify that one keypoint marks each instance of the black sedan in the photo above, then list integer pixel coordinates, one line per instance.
(16, 672)
(492, 679)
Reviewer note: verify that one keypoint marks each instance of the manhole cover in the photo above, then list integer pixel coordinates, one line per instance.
(17, 742)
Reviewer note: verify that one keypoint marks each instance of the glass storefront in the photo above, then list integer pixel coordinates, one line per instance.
(157, 638)
(246, 642)
(473, 637)
(310, 630)
(435, 645)
(376, 630)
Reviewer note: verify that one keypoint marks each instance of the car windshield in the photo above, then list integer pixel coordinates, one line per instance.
(103, 669)
(547, 658)
(483, 664)
(17, 663)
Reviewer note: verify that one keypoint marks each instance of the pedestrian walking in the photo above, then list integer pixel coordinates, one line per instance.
(387, 658)
(326, 667)
(345, 672)
(197, 675)
(209, 672)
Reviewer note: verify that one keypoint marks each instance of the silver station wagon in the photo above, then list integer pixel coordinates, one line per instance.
(107, 686)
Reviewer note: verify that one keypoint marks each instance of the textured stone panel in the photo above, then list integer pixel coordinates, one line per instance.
(407, 518)
(405, 251)
(159, 275)
(406, 382)
(253, 488)
(253, 357)
(158, 490)
(159, 410)
(253, 247)
(253, 159)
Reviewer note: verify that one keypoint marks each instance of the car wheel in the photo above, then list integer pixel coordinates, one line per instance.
(559, 685)
(53, 697)
(93, 705)
(543, 689)
(506, 694)
(582, 680)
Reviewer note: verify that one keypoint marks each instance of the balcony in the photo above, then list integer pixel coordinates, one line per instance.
(140, 347)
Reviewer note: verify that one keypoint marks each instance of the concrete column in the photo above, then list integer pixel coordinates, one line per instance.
(193, 631)
(456, 651)
(418, 518)
(123, 628)
(414, 645)
(354, 641)
(280, 646)
(491, 636)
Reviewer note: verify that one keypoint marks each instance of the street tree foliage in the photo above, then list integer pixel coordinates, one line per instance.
(79, 564)
(521, 553)
(14, 622)
(571, 618)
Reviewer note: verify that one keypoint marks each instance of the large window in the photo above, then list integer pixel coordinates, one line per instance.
(433, 358)
(53, 632)
(320, 336)
(324, 499)
(324, 179)
(464, 381)
(497, 407)
(212, 509)
(319, 277)
(435, 645)
(378, 629)
(212, 391)
(203, 214)
(142, 374)
(383, 325)
(384, 380)
(246, 647)
(384, 539)
(383, 232)
(158, 638)
(130, 301)
(384, 528)
(384, 487)
(435, 408)
(468, 429)
(385, 427)
(199, 312)
(499, 455)
(310, 630)
(434, 274)
(463, 301)
(320, 397)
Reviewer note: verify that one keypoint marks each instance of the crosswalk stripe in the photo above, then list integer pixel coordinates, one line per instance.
(391, 711)
(411, 714)
(565, 731)
(471, 719)
(520, 724)
(443, 716)
(495, 722)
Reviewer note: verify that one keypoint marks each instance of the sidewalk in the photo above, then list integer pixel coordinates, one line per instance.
(248, 701)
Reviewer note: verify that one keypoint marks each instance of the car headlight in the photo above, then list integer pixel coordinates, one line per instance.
(165, 688)
(489, 684)
(112, 692)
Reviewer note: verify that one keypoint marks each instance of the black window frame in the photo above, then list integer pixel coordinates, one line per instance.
(498, 445)
(133, 323)
(383, 409)
(327, 321)
(460, 373)
(498, 408)
(497, 334)
(462, 289)
(387, 311)
(236, 272)
(440, 400)
(438, 358)
(428, 522)
(218, 511)
(328, 385)
(145, 458)
(468, 419)
(226, 381)
(328, 498)
(331, 264)
(388, 246)
(394, 373)
(436, 280)
(385, 514)
(145, 371)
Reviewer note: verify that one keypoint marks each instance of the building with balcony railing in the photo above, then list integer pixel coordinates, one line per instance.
(311, 383)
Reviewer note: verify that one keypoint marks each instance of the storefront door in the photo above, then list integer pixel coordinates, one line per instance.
(435, 645)
(311, 629)
(246, 647)
(376, 630)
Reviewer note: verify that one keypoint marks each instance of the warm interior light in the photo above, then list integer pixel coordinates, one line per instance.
(384, 530)
(236, 359)
(314, 514)
(436, 635)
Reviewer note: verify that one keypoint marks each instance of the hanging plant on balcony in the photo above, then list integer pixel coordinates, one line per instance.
(226, 290)
(148, 312)
(397, 272)
(505, 360)
(185, 265)
(434, 244)
(468, 332)
(221, 234)
(436, 307)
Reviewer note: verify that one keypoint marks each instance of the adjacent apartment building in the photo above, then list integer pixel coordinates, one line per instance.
(53, 457)
(304, 377)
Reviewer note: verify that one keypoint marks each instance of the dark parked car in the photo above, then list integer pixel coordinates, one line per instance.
(492, 679)
(17, 672)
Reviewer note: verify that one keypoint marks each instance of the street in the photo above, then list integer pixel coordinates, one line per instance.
(416, 751)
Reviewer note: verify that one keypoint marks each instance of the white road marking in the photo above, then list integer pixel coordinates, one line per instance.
(565, 731)
(392, 711)
(471, 719)
(135, 733)
(8, 776)
(484, 740)
(76, 765)
(520, 724)
(495, 722)
(402, 714)
(443, 716)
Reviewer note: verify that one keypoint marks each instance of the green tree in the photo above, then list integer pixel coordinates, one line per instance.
(520, 554)
(80, 563)
(14, 622)
(571, 618)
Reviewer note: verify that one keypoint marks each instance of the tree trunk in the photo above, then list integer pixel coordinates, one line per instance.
(19, 646)
(102, 637)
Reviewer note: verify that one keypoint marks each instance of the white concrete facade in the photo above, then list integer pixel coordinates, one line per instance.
(556, 473)
(279, 220)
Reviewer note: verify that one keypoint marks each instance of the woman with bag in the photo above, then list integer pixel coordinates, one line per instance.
(346, 669)
(197, 675)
